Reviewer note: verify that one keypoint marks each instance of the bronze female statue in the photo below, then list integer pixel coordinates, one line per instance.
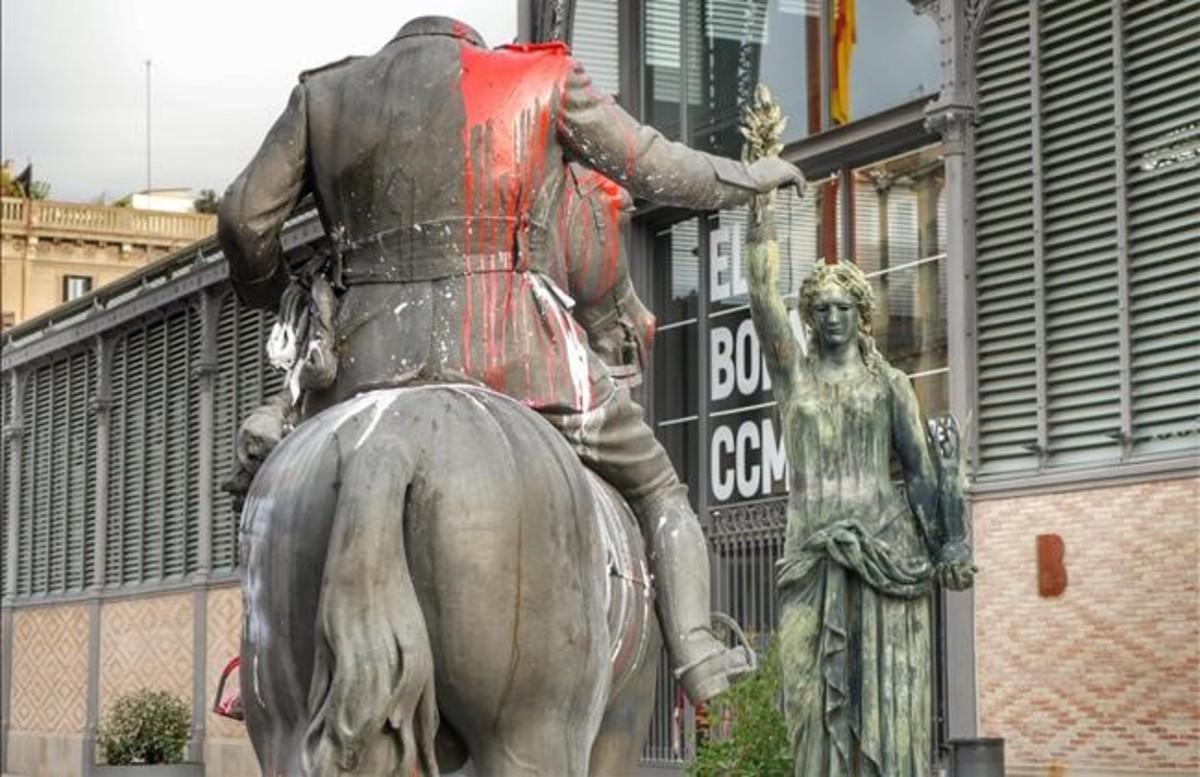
(861, 554)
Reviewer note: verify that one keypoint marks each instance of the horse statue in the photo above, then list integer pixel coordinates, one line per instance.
(430, 575)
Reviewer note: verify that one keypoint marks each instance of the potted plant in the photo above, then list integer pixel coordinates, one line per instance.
(144, 735)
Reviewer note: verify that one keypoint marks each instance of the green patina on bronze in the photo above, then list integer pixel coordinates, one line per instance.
(861, 555)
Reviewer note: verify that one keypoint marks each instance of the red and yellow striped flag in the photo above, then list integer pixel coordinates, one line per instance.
(843, 45)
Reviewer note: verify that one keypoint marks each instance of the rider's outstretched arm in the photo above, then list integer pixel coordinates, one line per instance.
(600, 134)
(256, 204)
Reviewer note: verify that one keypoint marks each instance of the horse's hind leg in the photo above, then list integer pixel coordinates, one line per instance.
(618, 746)
(520, 650)
(511, 581)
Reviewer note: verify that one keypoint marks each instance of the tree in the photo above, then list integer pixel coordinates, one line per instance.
(207, 202)
(21, 185)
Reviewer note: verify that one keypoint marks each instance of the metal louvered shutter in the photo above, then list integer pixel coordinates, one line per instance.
(1162, 102)
(1007, 376)
(7, 485)
(1093, 253)
(195, 356)
(594, 42)
(154, 450)
(131, 486)
(91, 455)
(1077, 116)
(77, 473)
(53, 519)
(224, 430)
(116, 463)
(40, 464)
(134, 485)
(154, 463)
(243, 381)
(179, 509)
(25, 505)
(54, 459)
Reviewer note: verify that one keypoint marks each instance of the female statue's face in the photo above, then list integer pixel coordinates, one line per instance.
(835, 314)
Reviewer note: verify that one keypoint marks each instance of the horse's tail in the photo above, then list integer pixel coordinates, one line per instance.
(371, 704)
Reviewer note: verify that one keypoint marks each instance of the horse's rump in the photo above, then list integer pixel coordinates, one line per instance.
(504, 602)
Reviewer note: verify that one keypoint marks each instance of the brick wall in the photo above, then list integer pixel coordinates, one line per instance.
(48, 694)
(1106, 675)
(227, 749)
(145, 643)
(49, 670)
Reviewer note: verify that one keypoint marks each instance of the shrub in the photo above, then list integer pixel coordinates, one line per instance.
(145, 726)
(755, 743)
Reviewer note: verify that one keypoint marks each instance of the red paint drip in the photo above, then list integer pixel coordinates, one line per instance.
(506, 94)
(525, 335)
(612, 232)
(586, 227)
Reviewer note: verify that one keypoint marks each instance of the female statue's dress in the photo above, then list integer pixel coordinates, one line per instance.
(854, 580)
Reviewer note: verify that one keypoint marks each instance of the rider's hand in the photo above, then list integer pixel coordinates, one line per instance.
(771, 173)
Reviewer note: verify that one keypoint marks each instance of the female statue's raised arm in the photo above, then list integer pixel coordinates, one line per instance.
(764, 124)
(779, 346)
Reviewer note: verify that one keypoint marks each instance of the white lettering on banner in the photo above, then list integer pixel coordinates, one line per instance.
(774, 457)
(758, 461)
(721, 478)
(735, 359)
(749, 360)
(726, 278)
(747, 472)
(721, 358)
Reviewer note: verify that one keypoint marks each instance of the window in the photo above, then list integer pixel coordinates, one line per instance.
(594, 42)
(895, 57)
(725, 47)
(676, 345)
(899, 215)
(75, 286)
(702, 59)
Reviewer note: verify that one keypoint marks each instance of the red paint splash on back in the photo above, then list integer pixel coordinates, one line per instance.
(507, 95)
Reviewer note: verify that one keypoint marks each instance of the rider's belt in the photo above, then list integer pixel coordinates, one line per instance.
(447, 248)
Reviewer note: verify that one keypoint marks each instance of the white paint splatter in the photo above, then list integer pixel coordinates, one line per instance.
(553, 301)
(281, 346)
(381, 402)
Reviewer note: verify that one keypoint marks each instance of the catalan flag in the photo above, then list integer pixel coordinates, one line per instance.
(843, 45)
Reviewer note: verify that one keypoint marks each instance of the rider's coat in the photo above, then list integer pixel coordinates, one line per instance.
(437, 166)
(593, 215)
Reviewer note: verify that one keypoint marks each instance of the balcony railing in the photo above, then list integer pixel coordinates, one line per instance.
(100, 222)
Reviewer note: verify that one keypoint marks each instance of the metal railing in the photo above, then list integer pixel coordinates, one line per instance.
(745, 541)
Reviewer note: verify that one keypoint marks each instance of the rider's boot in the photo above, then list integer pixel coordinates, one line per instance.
(679, 562)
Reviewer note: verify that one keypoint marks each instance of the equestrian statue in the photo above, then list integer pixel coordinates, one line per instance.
(471, 542)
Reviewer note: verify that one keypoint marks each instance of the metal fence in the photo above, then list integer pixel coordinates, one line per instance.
(745, 540)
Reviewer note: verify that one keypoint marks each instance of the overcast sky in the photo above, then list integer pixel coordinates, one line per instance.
(73, 91)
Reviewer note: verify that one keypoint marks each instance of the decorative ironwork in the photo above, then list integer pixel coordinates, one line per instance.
(764, 519)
